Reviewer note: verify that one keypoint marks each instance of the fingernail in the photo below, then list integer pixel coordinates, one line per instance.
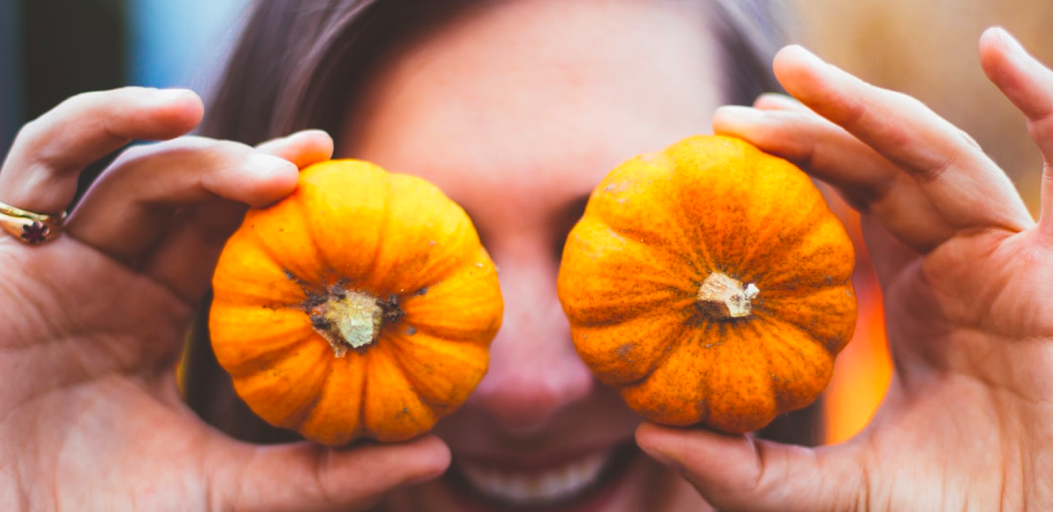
(739, 112)
(736, 119)
(310, 131)
(264, 162)
(775, 98)
(805, 52)
(1008, 40)
(167, 95)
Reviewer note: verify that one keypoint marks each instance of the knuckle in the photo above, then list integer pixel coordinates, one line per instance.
(80, 105)
(218, 146)
(201, 145)
(33, 143)
(84, 103)
(29, 136)
(195, 151)
(109, 97)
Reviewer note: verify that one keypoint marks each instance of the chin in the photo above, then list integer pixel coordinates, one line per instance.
(610, 479)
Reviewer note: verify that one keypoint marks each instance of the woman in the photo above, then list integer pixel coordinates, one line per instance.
(515, 109)
(539, 431)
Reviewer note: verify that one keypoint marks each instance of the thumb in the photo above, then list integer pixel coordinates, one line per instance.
(739, 473)
(307, 477)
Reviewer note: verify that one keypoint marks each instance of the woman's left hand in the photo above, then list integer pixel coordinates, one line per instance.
(92, 323)
(967, 276)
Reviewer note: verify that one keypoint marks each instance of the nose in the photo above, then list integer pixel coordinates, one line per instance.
(534, 370)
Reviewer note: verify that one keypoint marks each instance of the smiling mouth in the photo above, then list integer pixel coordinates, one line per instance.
(574, 479)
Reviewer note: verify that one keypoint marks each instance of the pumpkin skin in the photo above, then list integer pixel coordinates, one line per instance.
(731, 351)
(355, 255)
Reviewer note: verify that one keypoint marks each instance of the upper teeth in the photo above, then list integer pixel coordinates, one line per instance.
(538, 487)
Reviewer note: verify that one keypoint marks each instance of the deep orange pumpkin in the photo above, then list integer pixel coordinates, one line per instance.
(710, 283)
(362, 305)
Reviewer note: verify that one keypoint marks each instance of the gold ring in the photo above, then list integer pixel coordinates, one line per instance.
(31, 228)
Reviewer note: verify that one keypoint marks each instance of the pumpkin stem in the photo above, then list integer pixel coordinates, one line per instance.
(349, 319)
(723, 297)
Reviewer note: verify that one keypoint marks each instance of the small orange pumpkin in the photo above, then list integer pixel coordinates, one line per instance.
(709, 283)
(361, 305)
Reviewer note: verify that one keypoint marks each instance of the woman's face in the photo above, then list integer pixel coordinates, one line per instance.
(517, 110)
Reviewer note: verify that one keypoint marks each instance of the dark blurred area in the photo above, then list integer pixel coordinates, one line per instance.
(53, 49)
(70, 47)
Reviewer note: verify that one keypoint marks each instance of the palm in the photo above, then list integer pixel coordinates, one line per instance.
(94, 315)
(992, 282)
(968, 323)
(97, 394)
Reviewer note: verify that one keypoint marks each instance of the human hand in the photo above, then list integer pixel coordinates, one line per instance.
(93, 322)
(967, 277)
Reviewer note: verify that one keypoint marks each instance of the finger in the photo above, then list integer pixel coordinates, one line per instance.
(40, 172)
(306, 477)
(302, 148)
(744, 474)
(186, 257)
(1029, 85)
(956, 177)
(776, 101)
(889, 256)
(819, 147)
(127, 209)
(865, 179)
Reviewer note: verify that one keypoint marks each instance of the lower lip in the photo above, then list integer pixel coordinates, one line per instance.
(593, 499)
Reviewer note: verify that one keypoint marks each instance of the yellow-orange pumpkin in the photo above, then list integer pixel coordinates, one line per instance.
(362, 305)
(709, 283)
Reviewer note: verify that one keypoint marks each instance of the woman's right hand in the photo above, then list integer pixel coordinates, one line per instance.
(94, 321)
(967, 276)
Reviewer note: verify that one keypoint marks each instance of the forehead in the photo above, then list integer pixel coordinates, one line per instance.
(552, 90)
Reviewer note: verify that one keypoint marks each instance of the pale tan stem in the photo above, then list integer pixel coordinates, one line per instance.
(722, 296)
(349, 320)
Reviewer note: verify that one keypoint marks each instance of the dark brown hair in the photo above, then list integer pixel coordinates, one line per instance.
(297, 64)
(297, 61)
